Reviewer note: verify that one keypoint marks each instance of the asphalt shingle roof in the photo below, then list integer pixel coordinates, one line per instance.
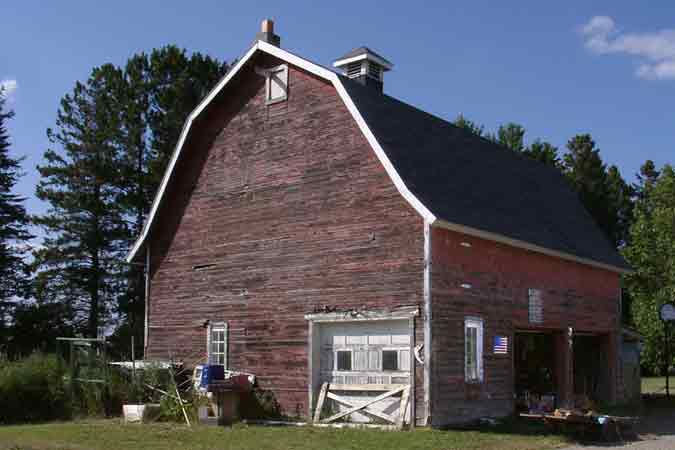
(467, 180)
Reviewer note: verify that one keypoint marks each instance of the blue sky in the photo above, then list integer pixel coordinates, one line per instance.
(558, 68)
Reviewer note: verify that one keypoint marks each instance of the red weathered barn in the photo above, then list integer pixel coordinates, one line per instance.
(311, 229)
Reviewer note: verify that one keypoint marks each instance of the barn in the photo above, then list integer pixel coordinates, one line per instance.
(341, 244)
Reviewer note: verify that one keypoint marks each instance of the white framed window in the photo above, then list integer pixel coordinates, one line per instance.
(217, 343)
(535, 306)
(276, 84)
(473, 349)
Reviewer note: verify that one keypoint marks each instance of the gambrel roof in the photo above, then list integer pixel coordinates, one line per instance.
(452, 178)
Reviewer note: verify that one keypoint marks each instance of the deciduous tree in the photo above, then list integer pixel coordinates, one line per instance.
(651, 252)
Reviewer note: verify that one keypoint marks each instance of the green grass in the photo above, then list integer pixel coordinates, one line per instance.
(656, 385)
(112, 435)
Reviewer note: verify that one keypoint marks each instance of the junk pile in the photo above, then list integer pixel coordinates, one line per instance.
(220, 392)
(585, 420)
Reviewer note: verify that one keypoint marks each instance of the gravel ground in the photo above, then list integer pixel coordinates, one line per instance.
(656, 430)
(650, 443)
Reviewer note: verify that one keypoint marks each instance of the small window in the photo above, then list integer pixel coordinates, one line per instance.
(344, 360)
(277, 84)
(535, 306)
(218, 344)
(473, 356)
(389, 359)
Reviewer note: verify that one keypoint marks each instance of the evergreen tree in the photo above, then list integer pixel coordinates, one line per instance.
(14, 222)
(470, 126)
(588, 176)
(512, 136)
(620, 201)
(85, 228)
(651, 252)
(116, 133)
(543, 152)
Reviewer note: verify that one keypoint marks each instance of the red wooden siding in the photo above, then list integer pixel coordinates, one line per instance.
(499, 277)
(292, 206)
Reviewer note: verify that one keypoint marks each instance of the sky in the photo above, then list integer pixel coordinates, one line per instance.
(557, 68)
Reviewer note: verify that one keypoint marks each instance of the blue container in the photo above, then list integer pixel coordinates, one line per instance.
(211, 373)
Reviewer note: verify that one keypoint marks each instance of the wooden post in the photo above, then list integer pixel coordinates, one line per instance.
(133, 360)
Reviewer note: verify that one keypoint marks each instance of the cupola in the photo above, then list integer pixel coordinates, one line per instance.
(365, 66)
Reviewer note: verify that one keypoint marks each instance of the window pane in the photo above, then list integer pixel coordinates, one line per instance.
(344, 360)
(389, 360)
(472, 353)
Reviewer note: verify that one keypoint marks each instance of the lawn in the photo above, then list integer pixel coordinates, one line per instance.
(656, 385)
(112, 435)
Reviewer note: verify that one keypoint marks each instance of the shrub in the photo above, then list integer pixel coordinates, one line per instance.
(32, 390)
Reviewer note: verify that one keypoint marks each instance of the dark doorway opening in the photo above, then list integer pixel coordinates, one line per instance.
(591, 369)
(535, 372)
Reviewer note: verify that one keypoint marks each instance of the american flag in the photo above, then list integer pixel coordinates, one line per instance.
(501, 345)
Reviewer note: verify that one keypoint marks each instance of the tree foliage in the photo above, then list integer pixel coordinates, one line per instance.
(85, 228)
(604, 193)
(14, 232)
(651, 252)
(114, 135)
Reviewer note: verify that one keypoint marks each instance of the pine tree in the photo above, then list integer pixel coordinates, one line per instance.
(588, 176)
(512, 136)
(543, 152)
(468, 125)
(85, 228)
(14, 221)
(116, 133)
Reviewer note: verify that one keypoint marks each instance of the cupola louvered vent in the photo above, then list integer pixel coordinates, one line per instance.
(365, 66)
(354, 69)
(375, 71)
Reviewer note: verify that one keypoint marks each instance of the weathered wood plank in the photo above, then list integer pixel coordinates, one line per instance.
(400, 420)
(363, 405)
(320, 401)
(366, 387)
(350, 404)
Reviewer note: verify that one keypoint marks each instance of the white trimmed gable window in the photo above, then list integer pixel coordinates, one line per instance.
(473, 349)
(217, 343)
(276, 84)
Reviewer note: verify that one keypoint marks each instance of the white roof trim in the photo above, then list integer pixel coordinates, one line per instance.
(494, 237)
(343, 62)
(333, 77)
(303, 64)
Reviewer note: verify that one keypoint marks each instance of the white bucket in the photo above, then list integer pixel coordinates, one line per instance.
(133, 413)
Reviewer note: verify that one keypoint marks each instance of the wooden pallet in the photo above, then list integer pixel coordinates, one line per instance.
(389, 390)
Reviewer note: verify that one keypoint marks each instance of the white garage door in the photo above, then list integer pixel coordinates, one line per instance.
(368, 352)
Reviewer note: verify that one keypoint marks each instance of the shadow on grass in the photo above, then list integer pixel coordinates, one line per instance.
(517, 426)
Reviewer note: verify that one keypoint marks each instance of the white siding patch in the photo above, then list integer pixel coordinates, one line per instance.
(400, 339)
(378, 339)
(355, 340)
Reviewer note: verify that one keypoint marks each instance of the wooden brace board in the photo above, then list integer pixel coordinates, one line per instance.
(328, 391)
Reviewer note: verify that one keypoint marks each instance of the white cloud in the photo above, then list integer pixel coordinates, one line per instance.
(655, 50)
(9, 87)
